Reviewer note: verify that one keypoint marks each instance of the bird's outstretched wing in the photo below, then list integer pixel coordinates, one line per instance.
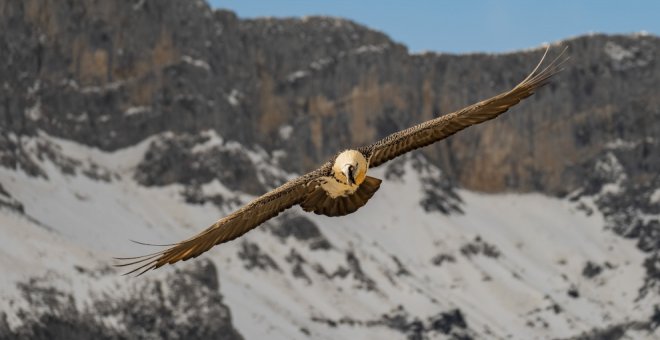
(232, 226)
(442, 127)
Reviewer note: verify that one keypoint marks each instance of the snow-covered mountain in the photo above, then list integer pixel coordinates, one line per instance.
(149, 120)
(420, 260)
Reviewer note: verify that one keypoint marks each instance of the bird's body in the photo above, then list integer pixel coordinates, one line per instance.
(344, 188)
(341, 186)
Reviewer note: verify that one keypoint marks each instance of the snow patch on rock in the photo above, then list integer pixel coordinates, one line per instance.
(234, 97)
(196, 62)
(285, 131)
(617, 52)
(136, 110)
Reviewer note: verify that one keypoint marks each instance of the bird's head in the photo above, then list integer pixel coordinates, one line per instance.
(350, 167)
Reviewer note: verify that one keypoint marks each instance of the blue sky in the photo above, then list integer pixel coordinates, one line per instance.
(470, 25)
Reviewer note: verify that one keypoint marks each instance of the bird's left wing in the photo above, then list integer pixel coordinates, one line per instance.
(232, 226)
(442, 127)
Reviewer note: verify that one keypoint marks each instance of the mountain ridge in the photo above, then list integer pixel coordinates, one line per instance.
(332, 74)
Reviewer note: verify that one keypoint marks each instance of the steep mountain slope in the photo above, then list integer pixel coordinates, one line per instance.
(496, 265)
(148, 120)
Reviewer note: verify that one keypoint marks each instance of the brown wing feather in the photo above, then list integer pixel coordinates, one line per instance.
(442, 127)
(232, 226)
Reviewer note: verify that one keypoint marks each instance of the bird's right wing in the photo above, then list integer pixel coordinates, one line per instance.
(232, 226)
(442, 127)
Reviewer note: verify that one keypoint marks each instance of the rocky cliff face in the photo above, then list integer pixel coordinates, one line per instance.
(166, 309)
(285, 94)
(112, 74)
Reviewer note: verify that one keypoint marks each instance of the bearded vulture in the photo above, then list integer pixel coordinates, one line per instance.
(341, 186)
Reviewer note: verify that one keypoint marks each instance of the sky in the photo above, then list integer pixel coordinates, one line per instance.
(470, 25)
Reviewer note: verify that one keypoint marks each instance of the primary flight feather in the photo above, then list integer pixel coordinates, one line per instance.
(341, 186)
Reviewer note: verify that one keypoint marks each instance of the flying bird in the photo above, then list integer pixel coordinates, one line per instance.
(341, 186)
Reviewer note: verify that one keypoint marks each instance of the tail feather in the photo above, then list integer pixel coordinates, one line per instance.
(319, 202)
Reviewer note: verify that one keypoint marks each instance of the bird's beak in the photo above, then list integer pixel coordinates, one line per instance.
(348, 172)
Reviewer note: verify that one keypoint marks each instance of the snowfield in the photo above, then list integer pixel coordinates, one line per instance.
(514, 265)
